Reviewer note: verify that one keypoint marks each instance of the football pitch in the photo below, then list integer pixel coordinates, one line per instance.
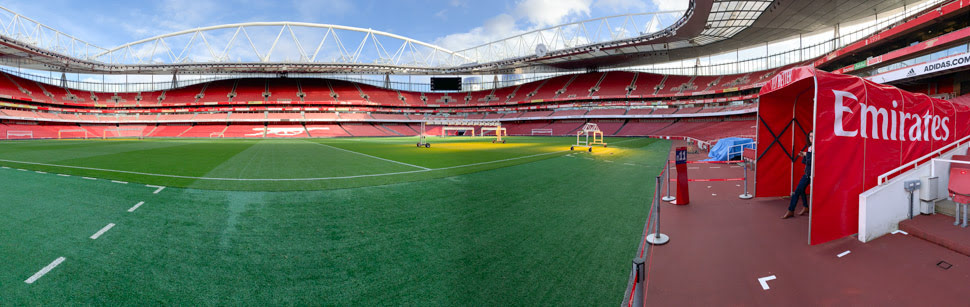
(351, 221)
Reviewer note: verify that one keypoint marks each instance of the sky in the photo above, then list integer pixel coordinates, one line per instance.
(453, 24)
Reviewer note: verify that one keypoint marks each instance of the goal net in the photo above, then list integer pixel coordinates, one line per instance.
(20, 134)
(542, 132)
(123, 133)
(73, 134)
(467, 130)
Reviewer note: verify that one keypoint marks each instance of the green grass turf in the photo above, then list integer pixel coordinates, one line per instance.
(303, 164)
(557, 229)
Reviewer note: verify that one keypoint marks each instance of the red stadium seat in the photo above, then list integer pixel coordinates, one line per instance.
(959, 186)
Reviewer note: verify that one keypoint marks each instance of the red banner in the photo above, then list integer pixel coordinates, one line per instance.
(862, 130)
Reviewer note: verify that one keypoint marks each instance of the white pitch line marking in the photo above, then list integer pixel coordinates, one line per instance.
(289, 179)
(5, 167)
(136, 206)
(121, 182)
(102, 231)
(64, 175)
(900, 231)
(844, 253)
(379, 158)
(89, 178)
(40, 172)
(43, 271)
(22, 170)
(630, 164)
(764, 281)
(159, 188)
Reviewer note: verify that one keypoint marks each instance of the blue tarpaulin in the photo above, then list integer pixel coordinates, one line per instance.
(729, 149)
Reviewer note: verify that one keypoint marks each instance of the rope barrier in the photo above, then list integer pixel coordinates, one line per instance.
(712, 180)
(713, 162)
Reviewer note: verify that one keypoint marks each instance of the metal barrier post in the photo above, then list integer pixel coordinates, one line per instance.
(668, 197)
(657, 238)
(638, 268)
(746, 195)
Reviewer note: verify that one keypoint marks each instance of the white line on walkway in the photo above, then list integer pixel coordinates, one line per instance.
(102, 231)
(366, 155)
(121, 182)
(43, 271)
(40, 172)
(764, 281)
(89, 178)
(136, 206)
(712, 194)
(693, 168)
(844, 253)
(287, 179)
(714, 167)
(158, 188)
(900, 231)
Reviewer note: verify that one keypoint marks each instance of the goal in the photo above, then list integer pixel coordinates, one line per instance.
(20, 134)
(73, 134)
(122, 133)
(217, 135)
(444, 131)
(542, 132)
(494, 131)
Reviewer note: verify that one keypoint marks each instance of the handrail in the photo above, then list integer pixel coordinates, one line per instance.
(938, 152)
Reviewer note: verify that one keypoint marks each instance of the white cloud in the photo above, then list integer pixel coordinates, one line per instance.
(545, 13)
(671, 5)
(527, 15)
(498, 27)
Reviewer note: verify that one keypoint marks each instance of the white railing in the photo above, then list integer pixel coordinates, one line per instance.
(939, 152)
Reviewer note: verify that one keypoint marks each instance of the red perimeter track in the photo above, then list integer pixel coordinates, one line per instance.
(720, 245)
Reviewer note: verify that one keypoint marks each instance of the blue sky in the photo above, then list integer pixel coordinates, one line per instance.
(450, 23)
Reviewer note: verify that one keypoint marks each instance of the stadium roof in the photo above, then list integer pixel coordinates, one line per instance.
(706, 27)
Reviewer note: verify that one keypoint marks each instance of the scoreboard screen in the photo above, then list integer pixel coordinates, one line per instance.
(446, 84)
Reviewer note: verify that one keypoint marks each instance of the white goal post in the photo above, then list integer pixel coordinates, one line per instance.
(73, 133)
(444, 130)
(13, 133)
(490, 131)
(542, 132)
(123, 132)
(217, 135)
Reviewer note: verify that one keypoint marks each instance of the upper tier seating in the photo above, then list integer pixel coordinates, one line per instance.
(615, 83)
(249, 90)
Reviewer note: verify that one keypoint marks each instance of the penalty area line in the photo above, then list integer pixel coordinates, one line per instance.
(45, 270)
(160, 188)
(379, 158)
